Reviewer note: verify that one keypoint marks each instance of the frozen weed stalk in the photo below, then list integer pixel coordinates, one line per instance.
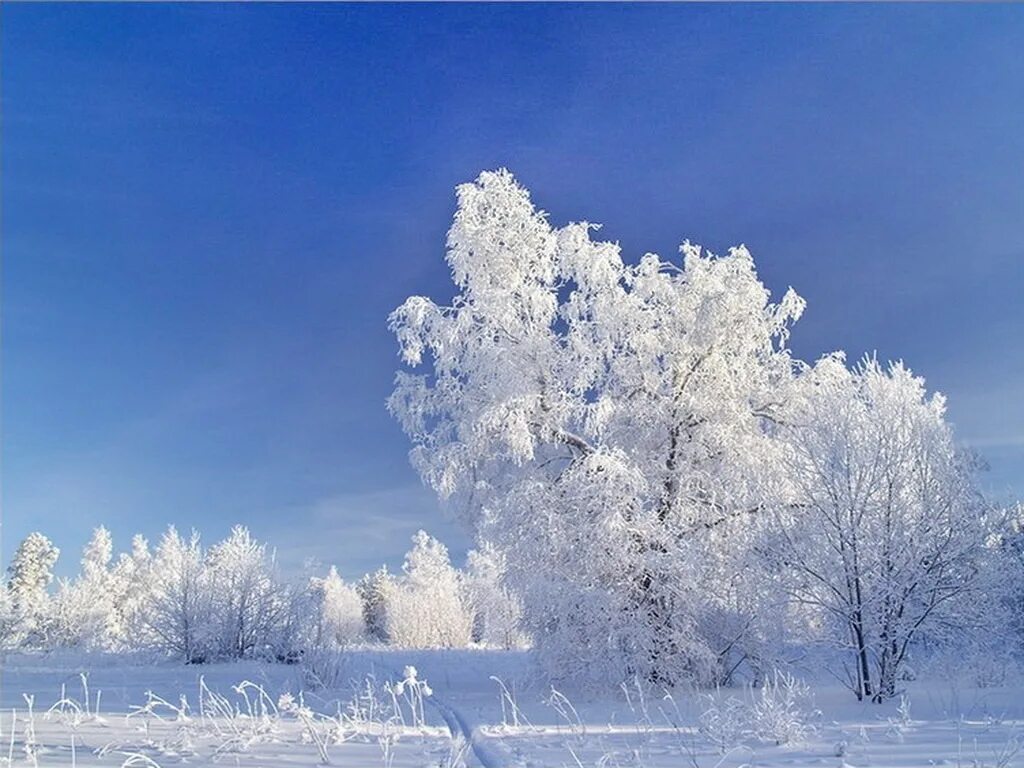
(561, 704)
(14, 730)
(238, 729)
(365, 707)
(311, 728)
(30, 747)
(386, 741)
(510, 707)
(412, 691)
(68, 711)
(158, 709)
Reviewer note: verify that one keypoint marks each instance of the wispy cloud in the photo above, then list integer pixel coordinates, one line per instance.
(358, 532)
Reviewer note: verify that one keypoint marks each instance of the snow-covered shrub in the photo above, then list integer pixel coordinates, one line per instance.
(780, 712)
(426, 609)
(724, 723)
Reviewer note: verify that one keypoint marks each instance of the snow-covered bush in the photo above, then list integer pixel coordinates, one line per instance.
(781, 712)
(724, 723)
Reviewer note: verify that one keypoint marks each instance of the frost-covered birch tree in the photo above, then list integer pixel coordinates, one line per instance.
(605, 424)
(250, 603)
(497, 611)
(176, 616)
(886, 535)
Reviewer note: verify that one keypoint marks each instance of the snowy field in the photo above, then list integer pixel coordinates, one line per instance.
(470, 708)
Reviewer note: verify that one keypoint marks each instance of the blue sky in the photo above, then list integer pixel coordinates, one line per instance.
(209, 211)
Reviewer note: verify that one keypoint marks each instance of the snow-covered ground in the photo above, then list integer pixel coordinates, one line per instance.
(477, 708)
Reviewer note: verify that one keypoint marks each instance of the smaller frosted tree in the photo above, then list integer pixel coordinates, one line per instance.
(10, 631)
(177, 614)
(340, 611)
(29, 575)
(1007, 547)
(426, 609)
(374, 589)
(251, 606)
(886, 534)
(497, 612)
(131, 578)
(86, 605)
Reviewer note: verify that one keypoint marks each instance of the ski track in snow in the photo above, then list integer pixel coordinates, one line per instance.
(461, 728)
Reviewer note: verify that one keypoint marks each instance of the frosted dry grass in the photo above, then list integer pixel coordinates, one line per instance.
(246, 726)
(509, 721)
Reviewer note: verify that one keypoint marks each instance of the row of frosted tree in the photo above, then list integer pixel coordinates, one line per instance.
(659, 488)
(678, 497)
(232, 601)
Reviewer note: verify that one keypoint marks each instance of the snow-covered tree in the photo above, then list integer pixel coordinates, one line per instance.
(497, 612)
(29, 575)
(886, 533)
(10, 628)
(131, 580)
(607, 426)
(84, 608)
(374, 589)
(177, 615)
(1006, 545)
(250, 604)
(426, 608)
(339, 611)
